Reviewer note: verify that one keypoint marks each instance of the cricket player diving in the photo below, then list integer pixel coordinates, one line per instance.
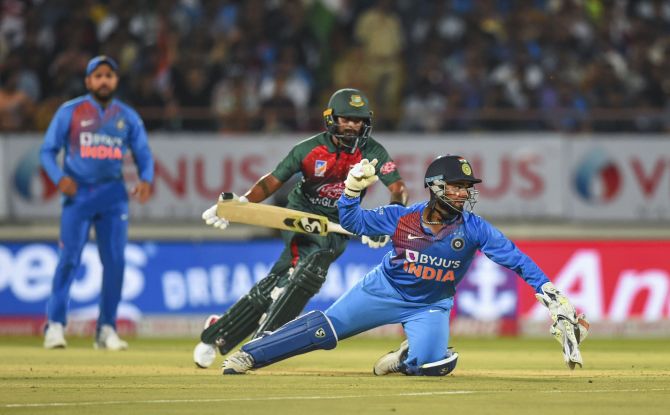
(434, 243)
(96, 131)
(324, 161)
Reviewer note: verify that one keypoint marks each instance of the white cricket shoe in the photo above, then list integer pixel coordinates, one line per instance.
(109, 339)
(391, 362)
(204, 354)
(54, 336)
(237, 363)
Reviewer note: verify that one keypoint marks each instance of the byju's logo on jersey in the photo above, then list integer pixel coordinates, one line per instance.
(428, 267)
(100, 146)
(597, 178)
(411, 256)
(320, 168)
(436, 261)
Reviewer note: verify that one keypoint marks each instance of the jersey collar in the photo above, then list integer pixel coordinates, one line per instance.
(97, 105)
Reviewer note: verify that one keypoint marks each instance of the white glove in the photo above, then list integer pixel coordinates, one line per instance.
(376, 241)
(210, 218)
(566, 323)
(581, 330)
(360, 176)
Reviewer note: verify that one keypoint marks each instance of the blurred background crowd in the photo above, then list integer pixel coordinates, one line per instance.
(270, 65)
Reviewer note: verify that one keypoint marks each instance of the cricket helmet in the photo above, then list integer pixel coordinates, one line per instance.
(351, 103)
(450, 169)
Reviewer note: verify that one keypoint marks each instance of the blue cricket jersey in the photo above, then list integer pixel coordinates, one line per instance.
(424, 267)
(95, 140)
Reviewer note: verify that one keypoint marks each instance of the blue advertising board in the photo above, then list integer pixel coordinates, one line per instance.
(207, 277)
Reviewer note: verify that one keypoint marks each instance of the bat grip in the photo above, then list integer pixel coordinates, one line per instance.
(337, 228)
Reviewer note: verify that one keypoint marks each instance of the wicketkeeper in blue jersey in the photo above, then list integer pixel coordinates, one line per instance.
(95, 131)
(434, 243)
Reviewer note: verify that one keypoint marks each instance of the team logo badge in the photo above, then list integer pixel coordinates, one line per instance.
(465, 167)
(387, 167)
(356, 101)
(320, 333)
(411, 256)
(320, 168)
(120, 124)
(457, 244)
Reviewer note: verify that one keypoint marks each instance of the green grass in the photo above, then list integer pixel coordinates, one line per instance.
(494, 376)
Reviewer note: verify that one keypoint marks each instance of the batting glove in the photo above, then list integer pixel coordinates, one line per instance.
(210, 217)
(360, 176)
(375, 241)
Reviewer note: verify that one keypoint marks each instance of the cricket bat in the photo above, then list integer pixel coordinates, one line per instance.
(276, 217)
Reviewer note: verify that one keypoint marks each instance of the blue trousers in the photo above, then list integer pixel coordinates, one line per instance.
(105, 206)
(373, 302)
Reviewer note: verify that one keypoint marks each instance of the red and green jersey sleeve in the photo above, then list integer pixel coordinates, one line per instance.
(386, 168)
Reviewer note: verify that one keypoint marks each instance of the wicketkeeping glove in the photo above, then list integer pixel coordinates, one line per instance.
(566, 327)
(210, 217)
(375, 241)
(360, 176)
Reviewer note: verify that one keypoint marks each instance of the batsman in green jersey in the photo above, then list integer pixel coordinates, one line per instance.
(324, 161)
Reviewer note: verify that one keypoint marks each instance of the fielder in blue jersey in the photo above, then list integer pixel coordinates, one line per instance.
(95, 131)
(434, 243)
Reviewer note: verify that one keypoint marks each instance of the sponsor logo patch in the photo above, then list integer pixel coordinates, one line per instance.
(320, 168)
(412, 256)
(387, 167)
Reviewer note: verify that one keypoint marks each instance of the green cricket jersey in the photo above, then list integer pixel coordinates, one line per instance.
(324, 170)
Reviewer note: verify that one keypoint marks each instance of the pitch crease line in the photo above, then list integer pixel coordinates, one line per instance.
(270, 398)
(306, 398)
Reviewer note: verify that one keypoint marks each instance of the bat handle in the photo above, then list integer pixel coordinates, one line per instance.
(337, 228)
(225, 196)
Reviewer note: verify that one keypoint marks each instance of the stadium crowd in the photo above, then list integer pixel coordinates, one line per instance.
(270, 65)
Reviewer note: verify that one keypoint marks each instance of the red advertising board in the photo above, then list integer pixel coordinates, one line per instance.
(607, 280)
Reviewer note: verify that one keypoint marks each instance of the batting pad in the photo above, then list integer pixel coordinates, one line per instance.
(312, 331)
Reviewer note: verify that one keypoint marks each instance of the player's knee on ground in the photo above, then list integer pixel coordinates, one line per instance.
(441, 367)
(312, 331)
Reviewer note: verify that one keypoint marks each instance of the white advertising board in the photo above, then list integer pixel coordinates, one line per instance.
(626, 178)
(522, 174)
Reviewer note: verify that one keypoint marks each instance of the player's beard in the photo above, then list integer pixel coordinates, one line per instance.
(103, 95)
(446, 210)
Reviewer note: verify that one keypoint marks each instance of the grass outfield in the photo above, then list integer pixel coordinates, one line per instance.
(496, 376)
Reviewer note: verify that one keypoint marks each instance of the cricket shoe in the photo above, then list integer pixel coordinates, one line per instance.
(204, 354)
(54, 336)
(237, 363)
(108, 339)
(391, 362)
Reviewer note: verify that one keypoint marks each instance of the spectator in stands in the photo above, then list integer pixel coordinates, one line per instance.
(381, 35)
(16, 107)
(522, 46)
